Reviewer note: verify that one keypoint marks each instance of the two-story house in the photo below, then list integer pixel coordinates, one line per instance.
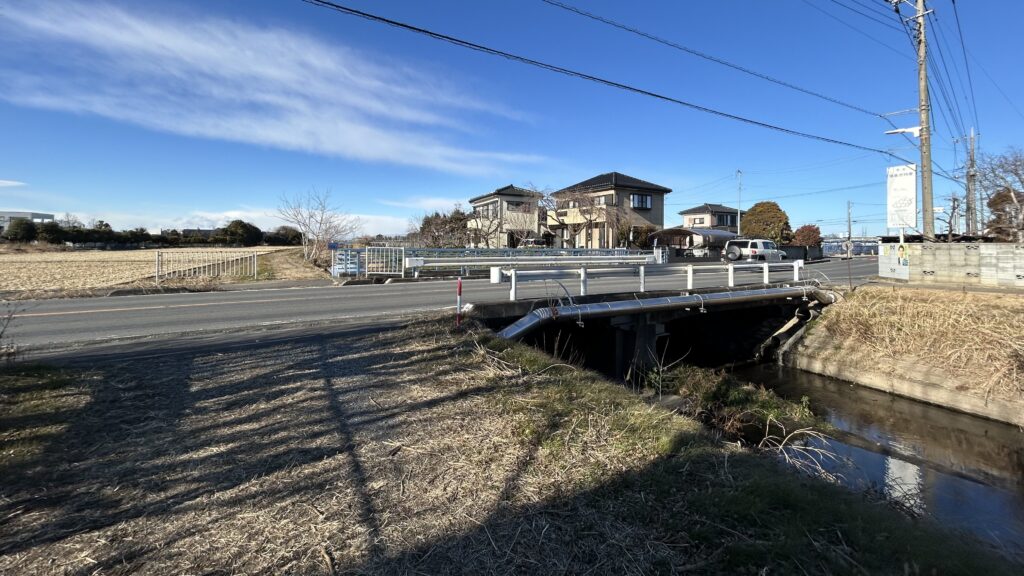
(505, 218)
(713, 216)
(605, 210)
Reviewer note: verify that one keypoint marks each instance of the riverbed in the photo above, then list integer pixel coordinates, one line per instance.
(964, 471)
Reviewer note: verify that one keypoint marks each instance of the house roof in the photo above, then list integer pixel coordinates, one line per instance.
(711, 236)
(509, 190)
(614, 180)
(709, 209)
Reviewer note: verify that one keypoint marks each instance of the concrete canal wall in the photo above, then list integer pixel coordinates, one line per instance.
(960, 350)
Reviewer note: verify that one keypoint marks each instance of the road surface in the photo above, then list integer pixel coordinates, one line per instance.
(41, 324)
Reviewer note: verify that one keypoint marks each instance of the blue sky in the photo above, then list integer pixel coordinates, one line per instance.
(170, 114)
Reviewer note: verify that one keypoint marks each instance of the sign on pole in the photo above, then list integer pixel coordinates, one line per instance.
(901, 196)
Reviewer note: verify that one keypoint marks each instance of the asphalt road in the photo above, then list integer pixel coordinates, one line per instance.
(43, 324)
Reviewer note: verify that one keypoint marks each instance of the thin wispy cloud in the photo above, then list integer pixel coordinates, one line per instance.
(220, 79)
(424, 203)
(10, 183)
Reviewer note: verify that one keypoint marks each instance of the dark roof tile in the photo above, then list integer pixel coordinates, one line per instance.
(614, 180)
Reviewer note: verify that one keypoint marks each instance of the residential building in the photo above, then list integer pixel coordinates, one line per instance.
(506, 218)
(713, 216)
(37, 217)
(606, 210)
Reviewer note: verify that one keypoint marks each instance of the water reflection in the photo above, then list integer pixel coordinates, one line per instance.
(966, 472)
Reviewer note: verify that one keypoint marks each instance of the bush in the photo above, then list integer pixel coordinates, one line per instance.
(20, 230)
(51, 233)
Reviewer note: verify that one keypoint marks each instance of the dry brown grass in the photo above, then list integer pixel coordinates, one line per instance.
(50, 270)
(415, 451)
(978, 337)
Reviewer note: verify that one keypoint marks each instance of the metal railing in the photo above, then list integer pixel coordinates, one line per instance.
(730, 269)
(514, 276)
(383, 260)
(380, 261)
(178, 264)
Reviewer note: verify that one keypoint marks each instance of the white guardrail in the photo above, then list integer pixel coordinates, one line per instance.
(514, 276)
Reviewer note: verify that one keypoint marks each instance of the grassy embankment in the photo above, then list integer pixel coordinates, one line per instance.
(972, 340)
(420, 450)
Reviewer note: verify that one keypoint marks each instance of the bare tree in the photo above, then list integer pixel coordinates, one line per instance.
(70, 222)
(576, 211)
(1002, 182)
(317, 220)
(521, 219)
(485, 224)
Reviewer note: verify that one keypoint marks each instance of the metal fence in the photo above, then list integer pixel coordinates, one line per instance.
(388, 261)
(178, 264)
(385, 261)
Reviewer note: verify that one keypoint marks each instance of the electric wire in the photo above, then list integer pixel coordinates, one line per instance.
(704, 55)
(967, 65)
(866, 15)
(584, 76)
(855, 29)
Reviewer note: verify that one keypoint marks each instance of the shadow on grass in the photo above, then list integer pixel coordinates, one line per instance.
(283, 437)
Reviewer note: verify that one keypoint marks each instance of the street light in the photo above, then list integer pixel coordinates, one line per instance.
(916, 131)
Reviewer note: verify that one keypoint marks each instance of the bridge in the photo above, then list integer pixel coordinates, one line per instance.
(42, 324)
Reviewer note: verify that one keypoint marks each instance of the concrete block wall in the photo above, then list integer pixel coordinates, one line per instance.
(1000, 265)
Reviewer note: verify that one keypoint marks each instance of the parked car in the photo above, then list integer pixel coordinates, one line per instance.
(752, 250)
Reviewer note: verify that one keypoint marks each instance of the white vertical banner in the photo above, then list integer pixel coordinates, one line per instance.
(901, 196)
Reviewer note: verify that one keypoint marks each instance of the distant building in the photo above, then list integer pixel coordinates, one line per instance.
(606, 205)
(505, 218)
(39, 218)
(714, 216)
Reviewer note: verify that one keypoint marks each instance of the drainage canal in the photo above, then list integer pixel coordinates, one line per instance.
(965, 471)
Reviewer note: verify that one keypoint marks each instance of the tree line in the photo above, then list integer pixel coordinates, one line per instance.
(71, 229)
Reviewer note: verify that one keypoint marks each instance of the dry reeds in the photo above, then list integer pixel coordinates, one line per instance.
(976, 337)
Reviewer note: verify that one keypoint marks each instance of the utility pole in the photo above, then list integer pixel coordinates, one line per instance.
(973, 226)
(849, 229)
(924, 106)
(739, 200)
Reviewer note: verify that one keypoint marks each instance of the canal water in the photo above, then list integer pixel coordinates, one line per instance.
(966, 472)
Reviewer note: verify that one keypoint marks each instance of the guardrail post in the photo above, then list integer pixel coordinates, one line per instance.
(732, 275)
(158, 267)
(496, 275)
(512, 290)
(254, 269)
(583, 281)
(643, 278)
(797, 265)
(765, 275)
(689, 276)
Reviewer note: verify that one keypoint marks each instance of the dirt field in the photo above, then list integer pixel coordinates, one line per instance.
(415, 451)
(85, 269)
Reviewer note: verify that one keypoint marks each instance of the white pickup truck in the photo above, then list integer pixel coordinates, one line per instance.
(752, 250)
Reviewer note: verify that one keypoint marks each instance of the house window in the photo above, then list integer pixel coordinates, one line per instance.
(640, 201)
(696, 221)
(725, 219)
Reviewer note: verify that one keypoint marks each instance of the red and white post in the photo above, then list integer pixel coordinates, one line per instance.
(458, 303)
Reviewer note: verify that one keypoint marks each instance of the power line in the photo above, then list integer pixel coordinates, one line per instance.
(704, 55)
(866, 15)
(816, 192)
(967, 66)
(855, 29)
(941, 171)
(584, 76)
(943, 49)
(952, 102)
